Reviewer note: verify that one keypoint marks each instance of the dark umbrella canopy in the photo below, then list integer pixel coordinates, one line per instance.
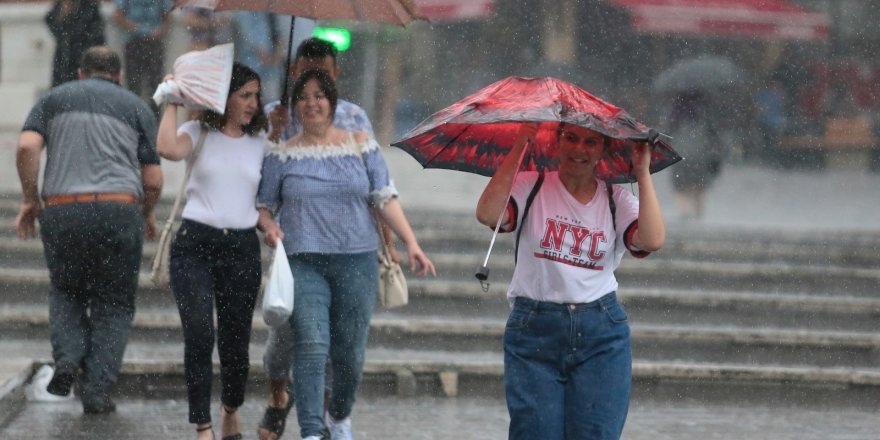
(701, 74)
(476, 133)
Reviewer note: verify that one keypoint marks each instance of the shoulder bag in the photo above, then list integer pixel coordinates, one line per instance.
(392, 284)
(161, 274)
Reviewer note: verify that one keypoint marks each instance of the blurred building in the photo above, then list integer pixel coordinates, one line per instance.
(821, 50)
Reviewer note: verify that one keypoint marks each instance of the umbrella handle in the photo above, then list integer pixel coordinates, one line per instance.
(482, 273)
(285, 93)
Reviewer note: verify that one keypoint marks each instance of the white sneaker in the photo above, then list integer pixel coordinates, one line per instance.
(339, 429)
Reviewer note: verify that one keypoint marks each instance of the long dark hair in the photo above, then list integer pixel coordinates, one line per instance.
(325, 82)
(241, 75)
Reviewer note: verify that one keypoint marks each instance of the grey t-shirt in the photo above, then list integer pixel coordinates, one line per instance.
(97, 135)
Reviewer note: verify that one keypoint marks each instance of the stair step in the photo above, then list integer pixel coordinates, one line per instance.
(650, 341)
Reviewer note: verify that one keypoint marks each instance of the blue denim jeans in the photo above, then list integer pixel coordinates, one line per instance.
(567, 369)
(334, 295)
(215, 268)
(93, 251)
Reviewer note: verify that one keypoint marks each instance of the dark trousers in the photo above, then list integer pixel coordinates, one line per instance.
(93, 251)
(211, 267)
(144, 65)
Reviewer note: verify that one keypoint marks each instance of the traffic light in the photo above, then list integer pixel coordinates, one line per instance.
(340, 38)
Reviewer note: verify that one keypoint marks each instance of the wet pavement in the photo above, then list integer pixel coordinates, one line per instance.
(383, 417)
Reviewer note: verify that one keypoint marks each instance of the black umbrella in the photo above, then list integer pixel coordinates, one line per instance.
(702, 74)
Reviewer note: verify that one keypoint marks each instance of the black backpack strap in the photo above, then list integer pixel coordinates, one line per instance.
(522, 222)
(612, 205)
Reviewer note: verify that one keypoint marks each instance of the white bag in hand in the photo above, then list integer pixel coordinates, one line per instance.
(201, 80)
(278, 290)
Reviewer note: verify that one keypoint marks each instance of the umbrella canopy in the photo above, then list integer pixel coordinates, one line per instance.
(702, 74)
(380, 11)
(398, 12)
(476, 133)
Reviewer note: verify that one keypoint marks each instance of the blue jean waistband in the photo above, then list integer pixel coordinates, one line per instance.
(603, 302)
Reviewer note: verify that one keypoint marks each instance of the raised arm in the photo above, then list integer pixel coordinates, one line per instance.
(651, 233)
(172, 146)
(493, 201)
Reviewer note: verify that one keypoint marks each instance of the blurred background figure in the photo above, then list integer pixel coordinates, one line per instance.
(76, 26)
(207, 28)
(697, 138)
(145, 23)
(771, 120)
(257, 45)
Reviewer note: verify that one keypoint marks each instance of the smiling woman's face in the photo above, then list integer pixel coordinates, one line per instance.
(312, 105)
(580, 149)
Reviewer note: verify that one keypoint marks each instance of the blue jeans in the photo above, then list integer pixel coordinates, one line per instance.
(93, 251)
(215, 267)
(567, 369)
(334, 295)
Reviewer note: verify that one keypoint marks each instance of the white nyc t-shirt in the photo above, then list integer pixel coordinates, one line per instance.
(568, 250)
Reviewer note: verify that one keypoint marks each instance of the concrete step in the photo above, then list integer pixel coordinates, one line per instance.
(151, 371)
(830, 311)
(858, 251)
(654, 342)
(441, 231)
(664, 269)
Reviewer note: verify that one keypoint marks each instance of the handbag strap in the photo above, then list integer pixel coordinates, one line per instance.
(522, 222)
(384, 253)
(175, 209)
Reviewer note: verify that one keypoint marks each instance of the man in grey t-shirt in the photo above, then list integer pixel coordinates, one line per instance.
(101, 182)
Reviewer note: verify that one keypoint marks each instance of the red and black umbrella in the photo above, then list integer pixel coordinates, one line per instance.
(476, 133)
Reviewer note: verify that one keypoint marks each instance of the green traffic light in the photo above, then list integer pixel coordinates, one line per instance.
(340, 38)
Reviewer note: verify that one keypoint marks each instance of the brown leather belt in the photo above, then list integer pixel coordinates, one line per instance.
(91, 197)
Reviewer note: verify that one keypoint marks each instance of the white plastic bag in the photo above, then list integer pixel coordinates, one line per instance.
(36, 390)
(201, 80)
(278, 290)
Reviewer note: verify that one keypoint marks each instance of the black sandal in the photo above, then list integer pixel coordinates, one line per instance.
(203, 429)
(275, 419)
(230, 412)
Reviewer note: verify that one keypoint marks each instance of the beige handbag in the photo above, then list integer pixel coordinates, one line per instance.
(392, 284)
(161, 267)
(392, 290)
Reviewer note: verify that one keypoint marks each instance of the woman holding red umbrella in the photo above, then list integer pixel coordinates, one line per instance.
(567, 353)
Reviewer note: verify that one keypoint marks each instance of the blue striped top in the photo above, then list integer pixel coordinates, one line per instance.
(322, 195)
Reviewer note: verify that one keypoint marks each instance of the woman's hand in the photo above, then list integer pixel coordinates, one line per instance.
(526, 133)
(279, 119)
(273, 235)
(641, 158)
(418, 259)
(266, 223)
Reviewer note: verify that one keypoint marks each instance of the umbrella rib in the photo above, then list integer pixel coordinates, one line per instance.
(451, 141)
